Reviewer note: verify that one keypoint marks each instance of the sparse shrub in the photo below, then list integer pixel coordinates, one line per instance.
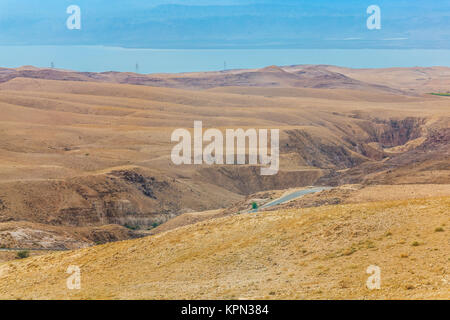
(22, 254)
(440, 229)
(130, 226)
(415, 244)
(155, 224)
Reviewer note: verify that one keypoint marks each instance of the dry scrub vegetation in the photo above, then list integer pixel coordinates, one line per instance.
(85, 160)
(315, 253)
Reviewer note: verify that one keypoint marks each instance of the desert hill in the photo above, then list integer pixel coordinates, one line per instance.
(393, 80)
(316, 253)
(90, 150)
(423, 80)
(85, 161)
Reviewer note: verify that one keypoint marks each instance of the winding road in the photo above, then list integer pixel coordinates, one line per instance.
(289, 197)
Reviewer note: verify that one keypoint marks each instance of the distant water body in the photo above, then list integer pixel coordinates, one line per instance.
(100, 59)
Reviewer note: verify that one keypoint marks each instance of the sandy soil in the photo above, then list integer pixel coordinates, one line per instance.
(316, 253)
(85, 159)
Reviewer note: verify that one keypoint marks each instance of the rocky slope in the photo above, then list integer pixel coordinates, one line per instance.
(91, 150)
(394, 80)
(316, 253)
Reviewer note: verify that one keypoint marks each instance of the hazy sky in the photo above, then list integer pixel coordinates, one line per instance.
(228, 23)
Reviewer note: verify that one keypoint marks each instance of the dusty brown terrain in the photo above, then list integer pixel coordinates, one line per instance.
(345, 194)
(12, 255)
(348, 194)
(315, 253)
(85, 160)
(395, 80)
(30, 235)
(90, 150)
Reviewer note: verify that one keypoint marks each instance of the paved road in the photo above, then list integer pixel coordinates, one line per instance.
(289, 197)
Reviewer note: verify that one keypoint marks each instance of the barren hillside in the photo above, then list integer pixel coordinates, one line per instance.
(316, 253)
(89, 150)
(85, 161)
